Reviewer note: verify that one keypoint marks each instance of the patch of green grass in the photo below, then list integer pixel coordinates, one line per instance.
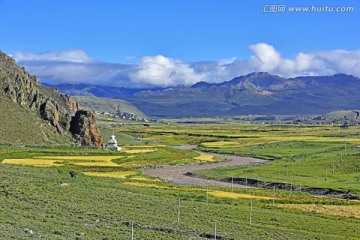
(161, 156)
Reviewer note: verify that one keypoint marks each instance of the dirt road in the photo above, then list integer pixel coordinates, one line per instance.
(176, 174)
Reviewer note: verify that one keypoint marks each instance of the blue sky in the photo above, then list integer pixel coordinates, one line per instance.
(172, 42)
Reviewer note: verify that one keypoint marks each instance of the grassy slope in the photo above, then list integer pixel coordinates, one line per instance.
(108, 105)
(33, 198)
(18, 125)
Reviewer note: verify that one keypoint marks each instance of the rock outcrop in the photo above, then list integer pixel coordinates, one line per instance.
(55, 108)
(84, 128)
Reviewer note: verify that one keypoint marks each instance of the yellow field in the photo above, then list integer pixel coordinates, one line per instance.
(80, 158)
(345, 211)
(222, 194)
(33, 162)
(214, 193)
(148, 185)
(218, 144)
(49, 161)
(253, 140)
(205, 158)
(139, 150)
(95, 163)
(122, 174)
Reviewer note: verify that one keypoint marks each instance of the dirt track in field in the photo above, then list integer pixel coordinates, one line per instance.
(179, 174)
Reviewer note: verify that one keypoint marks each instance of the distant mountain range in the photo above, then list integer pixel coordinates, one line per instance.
(95, 90)
(256, 93)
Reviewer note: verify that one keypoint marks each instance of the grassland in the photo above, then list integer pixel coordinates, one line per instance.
(96, 208)
(77, 195)
(324, 156)
(346, 211)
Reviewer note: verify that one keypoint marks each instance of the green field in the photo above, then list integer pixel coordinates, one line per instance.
(86, 193)
(323, 156)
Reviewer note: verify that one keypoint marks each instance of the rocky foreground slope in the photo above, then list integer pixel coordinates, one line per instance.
(41, 114)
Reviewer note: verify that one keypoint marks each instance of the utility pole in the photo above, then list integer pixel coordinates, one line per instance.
(215, 232)
(273, 202)
(179, 211)
(250, 218)
(132, 230)
(232, 184)
(207, 195)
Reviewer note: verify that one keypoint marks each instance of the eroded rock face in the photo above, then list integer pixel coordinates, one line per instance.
(56, 108)
(84, 128)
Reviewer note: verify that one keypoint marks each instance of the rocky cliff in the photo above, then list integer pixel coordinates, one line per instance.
(84, 129)
(57, 109)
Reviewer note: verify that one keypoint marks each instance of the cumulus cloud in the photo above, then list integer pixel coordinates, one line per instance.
(75, 66)
(162, 71)
(266, 58)
(341, 61)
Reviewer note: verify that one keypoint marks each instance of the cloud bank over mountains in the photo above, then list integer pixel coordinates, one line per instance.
(75, 66)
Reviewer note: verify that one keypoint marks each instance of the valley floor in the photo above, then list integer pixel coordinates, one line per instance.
(52, 192)
(182, 174)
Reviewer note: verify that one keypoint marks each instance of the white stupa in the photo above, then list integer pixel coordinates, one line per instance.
(112, 144)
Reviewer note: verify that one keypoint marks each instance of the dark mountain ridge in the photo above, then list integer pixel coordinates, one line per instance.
(255, 93)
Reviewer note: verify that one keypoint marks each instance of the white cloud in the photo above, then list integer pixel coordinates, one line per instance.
(75, 66)
(265, 57)
(341, 61)
(74, 56)
(162, 71)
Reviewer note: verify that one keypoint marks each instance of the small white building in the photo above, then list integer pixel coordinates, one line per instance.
(112, 144)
